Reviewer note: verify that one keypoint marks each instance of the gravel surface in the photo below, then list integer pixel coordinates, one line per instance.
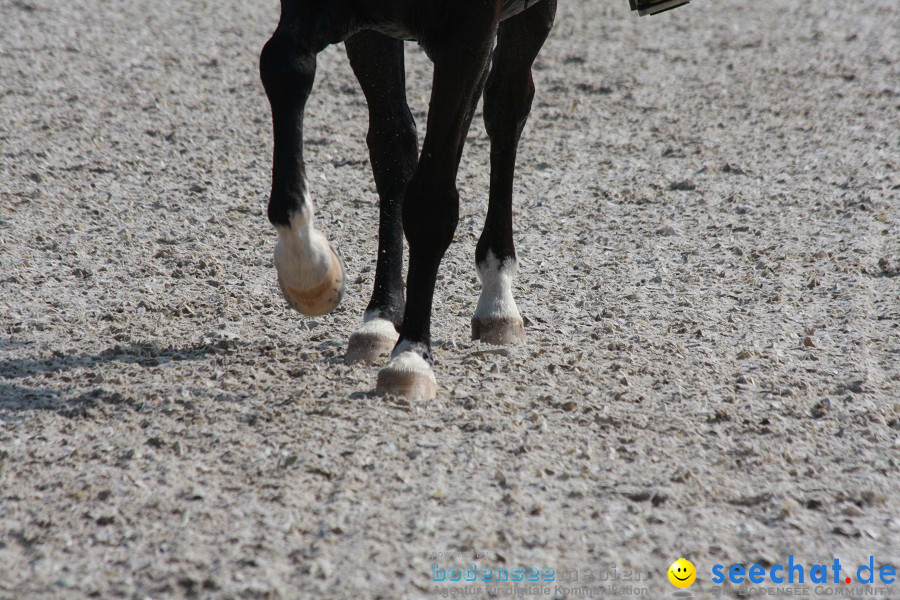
(708, 227)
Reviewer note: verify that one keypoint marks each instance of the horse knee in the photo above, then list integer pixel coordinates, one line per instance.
(393, 149)
(287, 68)
(507, 103)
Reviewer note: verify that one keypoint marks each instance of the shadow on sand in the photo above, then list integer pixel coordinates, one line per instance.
(15, 397)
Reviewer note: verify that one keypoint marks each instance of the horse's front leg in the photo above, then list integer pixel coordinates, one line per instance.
(310, 273)
(378, 63)
(431, 205)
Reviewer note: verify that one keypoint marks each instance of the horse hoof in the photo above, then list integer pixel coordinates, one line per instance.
(371, 343)
(321, 298)
(501, 331)
(407, 375)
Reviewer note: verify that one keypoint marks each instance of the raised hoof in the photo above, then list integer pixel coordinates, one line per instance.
(323, 297)
(407, 375)
(501, 331)
(371, 343)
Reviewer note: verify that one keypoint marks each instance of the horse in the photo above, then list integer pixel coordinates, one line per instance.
(479, 48)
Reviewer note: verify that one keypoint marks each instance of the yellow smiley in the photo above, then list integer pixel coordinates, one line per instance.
(682, 573)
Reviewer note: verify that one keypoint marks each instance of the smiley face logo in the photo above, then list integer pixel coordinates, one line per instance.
(682, 573)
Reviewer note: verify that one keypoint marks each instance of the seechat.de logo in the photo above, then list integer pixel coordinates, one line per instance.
(796, 572)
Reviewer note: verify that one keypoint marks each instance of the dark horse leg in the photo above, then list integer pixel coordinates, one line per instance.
(310, 274)
(378, 63)
(431, 205)
(507, 104)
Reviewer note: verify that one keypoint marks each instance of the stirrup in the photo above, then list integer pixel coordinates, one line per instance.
(652, 7)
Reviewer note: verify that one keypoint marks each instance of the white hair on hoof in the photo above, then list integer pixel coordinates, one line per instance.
(310, 273)
(497, 319)
(372, 341)
(407, 375)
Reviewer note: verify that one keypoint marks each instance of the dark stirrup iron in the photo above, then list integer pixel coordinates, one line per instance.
(652, 7)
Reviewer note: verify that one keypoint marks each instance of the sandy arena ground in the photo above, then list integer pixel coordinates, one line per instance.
(708, 227)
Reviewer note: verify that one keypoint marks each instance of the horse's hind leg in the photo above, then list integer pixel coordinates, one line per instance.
(309, 272)
(507, 103)
(378, 63)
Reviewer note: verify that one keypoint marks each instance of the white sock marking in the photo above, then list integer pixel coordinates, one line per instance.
(374, 325)
(302, 254)
(406, 360)
(496, 298)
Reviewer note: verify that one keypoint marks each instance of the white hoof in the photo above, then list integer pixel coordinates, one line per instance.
(321, 298)
(407, 375)
(310, 273)
(372, 342)
(499, 330)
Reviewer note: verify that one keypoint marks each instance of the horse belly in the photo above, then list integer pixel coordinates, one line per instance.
(399, 21)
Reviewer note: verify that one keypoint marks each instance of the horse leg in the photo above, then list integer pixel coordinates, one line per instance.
(310, 273)
(431, 204)
(378, 63)
(507, 104)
